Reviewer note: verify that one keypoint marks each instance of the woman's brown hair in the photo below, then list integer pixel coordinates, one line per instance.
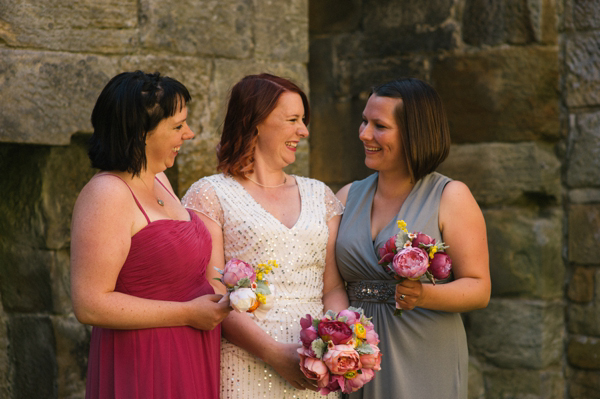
(252, 99)
(423, 124)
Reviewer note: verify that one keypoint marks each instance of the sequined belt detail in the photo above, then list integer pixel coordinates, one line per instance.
(372, 291)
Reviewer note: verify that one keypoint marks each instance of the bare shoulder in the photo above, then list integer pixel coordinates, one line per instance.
(342, 194)
(458, 204)
(456, 191)
(104, 196)
(164, 180)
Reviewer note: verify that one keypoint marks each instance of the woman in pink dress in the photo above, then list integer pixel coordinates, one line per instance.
(138, 257)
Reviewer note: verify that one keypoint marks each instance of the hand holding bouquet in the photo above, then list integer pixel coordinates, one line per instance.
(248, 289)
(411, 255)
(339, 351)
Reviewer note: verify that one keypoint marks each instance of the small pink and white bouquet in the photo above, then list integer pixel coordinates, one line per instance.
(412, 255)
(339, 351)
(248, 289)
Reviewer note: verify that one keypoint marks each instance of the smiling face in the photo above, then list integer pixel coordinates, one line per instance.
(164, 142)
(280, 132)
(380, 134)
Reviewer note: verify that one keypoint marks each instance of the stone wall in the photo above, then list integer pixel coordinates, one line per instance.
(520, 81)
(55, 57)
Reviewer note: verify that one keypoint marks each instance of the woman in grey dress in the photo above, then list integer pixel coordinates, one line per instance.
(405, 136)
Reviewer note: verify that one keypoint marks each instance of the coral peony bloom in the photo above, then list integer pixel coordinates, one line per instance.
(235, 270)
(354, 384)
(342, 358)
(314, 368)
(371, 337)
(336, 382)
(441, 265)
(422, 238)
(411, 263)
(243, 299)
(335, 331)
(371, 361)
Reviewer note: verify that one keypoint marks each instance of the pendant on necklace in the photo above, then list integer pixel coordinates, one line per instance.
(160, 202)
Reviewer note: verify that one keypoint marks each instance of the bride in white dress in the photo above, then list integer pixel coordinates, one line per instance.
(256, 212)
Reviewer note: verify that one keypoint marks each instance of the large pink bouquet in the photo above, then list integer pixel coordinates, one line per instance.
(247, 287)
(339, 351)
(412, 255)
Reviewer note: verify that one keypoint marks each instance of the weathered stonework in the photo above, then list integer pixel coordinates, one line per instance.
(582, 65)
(584, 155)
(524, 383)
(584, 352)
(581, 286)
(583, 247)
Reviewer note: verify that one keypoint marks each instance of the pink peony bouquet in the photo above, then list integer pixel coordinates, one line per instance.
(339, 351)
(248, 289)
(412, 255)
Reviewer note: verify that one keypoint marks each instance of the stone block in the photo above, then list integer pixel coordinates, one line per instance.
(524, 384)
(214, 28)
(72, 349)
(584, 384)
(281, 30)
(584, 352)
(6, 366)
(47, 97)
(334, 16)
(26, 283)
(584, 233)
(584, 196)
(581, 286)
(509, 21)
(584, 318)
(583, 165)
(321, 70)
(503, 173)
(86, 26)
(476, 388)
(525, 253)
(516, 334)
(586, 14)
(500, 94)
(395, 27)
(32, 347)
(582, 69)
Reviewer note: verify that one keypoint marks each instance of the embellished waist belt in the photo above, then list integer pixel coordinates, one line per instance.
(372, 291)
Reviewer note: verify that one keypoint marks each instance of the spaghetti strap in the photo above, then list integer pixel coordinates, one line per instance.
(132, 194)
(165, 187)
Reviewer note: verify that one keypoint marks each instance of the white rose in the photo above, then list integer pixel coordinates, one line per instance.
(242, 299)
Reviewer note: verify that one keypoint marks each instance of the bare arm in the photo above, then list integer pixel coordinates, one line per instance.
(463, 228)
(103, 221)
(334, 290)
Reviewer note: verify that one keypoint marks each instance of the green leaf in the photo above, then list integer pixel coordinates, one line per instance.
(319, 346)
(365, 349)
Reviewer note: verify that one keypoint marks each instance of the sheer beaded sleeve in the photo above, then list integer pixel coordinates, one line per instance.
(201, 197)
(333, 206)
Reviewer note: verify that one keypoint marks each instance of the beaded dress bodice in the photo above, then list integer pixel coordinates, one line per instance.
(252, 234)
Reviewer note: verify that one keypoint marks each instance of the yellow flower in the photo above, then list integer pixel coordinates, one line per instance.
(259, 276)
(360, 331)
(432, 251)
(351, 374)
(261, 298)
(402, 225)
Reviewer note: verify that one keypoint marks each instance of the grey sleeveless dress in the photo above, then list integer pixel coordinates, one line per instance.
(424, 351)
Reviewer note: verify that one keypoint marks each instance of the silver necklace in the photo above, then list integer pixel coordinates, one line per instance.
(158, 200)
(262, 185)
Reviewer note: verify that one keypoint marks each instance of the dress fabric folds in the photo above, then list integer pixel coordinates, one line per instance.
(424, 352)
(167, 261)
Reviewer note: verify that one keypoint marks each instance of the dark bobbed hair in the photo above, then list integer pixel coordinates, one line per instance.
(131, 105)
(251, 100)
(422, 122)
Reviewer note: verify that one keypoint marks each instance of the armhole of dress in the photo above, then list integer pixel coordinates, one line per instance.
(132, 194)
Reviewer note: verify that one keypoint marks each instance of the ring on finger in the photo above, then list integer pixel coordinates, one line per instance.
(402, 297)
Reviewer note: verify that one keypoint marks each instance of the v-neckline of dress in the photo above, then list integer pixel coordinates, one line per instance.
(269, 213)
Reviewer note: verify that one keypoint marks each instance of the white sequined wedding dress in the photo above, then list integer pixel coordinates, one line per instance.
(253, 235)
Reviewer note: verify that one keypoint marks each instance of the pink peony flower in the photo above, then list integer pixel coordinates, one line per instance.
(354, 384)
(371, 361)
(411, 263)
(342, 358)
(441, 265)
(387, 252)
(308, 335)
(422, 238)
(336, 382)
(372, 337)
(235, 270)
(335, 331)
(351, 317)
(314, 368)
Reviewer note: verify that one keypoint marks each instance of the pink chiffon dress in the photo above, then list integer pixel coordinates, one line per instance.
(166, 261)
